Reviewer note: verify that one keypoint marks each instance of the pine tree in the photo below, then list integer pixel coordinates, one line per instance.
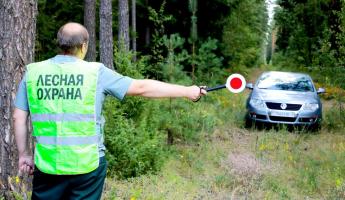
(106, 34)
(90, 24)
(17, 41)
(123, 25)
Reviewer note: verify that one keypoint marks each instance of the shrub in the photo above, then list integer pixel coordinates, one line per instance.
(132, 148)
(334, 119)
(137, 128)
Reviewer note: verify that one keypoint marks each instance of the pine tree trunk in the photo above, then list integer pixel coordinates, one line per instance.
(123, 25)
(106, 34)
(90, 24)
(134, 27)
(17, 40)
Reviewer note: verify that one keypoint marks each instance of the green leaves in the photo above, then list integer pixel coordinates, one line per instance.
(244, 33)
(312, 37)
(51, 16)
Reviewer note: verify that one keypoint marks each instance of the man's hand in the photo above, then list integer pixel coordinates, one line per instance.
(26, 164)
(196, 92)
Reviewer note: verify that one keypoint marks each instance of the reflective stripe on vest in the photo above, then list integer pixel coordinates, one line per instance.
(68, 141)
(62, 107)
(63, 117)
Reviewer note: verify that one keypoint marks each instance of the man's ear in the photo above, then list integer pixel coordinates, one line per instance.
(84, 47)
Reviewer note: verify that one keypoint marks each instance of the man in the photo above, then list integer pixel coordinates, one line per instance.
(64, 97)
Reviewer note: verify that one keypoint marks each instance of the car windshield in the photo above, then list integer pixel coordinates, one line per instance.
(282, 81)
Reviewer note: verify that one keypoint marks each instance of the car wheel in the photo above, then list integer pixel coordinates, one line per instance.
(315, 127)
(248, 122)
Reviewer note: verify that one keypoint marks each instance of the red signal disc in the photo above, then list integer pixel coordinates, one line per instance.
(236, 83)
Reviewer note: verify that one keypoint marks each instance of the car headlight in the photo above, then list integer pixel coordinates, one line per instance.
(257, 103)
(311, 106)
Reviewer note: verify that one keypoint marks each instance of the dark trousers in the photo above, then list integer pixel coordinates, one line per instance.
(70, 187)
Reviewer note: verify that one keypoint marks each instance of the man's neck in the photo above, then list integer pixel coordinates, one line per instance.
(69, 54)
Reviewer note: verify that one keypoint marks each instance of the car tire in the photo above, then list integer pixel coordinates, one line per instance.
(248, 122)
(315, 127)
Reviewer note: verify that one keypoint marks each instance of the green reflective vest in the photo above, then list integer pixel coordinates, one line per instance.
(62, 107)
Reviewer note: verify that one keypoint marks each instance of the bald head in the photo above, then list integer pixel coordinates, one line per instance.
(72, 36)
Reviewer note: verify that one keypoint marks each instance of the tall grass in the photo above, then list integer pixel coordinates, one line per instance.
(309, 165)
(236, 163)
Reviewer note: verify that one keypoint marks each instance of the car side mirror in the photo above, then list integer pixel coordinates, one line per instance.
(321, 91)
(250, 86)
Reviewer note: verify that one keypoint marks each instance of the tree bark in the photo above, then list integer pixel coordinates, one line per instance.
(90, 24)
(17, 40)
(106, 34)
(123, 35)
(134, 28)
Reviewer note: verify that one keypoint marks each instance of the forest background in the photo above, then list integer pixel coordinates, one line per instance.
(190, 42)
(173, 45)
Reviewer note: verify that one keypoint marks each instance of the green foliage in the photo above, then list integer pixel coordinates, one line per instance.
(131, 150)
(276, 187)
(311, 163)
(244, 32)
(209, 68)
(193, 8)
(159, 18)
(308, 34)
(184, 120)
(172, 68)
(334, 119)
(136, 128)
(133, 146)
(189, 123)
(156, 20)
(286, 165)
(340, 36)
(124, 63)
(312, 35)
(208, 64)
(51, 16)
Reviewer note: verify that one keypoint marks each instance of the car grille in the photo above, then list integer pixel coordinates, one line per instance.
(283, 119)
(289, 106)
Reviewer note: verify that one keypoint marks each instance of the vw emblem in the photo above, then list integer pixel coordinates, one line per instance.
(283, 106)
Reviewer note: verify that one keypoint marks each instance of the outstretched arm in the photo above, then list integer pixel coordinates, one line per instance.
(157, 89)
(20, 118)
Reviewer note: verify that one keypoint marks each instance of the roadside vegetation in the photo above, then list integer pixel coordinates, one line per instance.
(231, 162)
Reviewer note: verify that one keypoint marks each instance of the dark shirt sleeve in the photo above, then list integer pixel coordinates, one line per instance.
(114, 83)
(21, 101)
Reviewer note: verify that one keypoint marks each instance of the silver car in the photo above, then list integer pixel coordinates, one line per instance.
(284, 98)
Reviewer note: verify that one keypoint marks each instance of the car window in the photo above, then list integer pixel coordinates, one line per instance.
(289, 82)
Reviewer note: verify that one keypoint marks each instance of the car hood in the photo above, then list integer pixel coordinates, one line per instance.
(285, 96)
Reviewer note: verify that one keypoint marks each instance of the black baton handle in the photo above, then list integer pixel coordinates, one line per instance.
(215, 88)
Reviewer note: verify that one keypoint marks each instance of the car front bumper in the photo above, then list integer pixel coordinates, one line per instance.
(300, 117)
